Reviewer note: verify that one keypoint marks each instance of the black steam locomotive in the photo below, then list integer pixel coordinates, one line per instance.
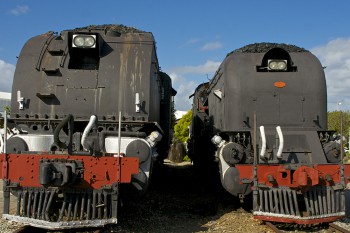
(263, 118)
(91, 113)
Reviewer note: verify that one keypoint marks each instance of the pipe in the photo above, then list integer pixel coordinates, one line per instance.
(2, 143)
(87, 130)
(56, 137)
(119, 133)
(255, 164)
(281, 142)
(263, 141)
(5, 132)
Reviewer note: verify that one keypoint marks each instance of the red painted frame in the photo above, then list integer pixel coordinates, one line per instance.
(303, 178)
(98, 171)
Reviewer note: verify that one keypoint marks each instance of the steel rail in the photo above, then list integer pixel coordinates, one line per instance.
(338, 228)
(273, 227)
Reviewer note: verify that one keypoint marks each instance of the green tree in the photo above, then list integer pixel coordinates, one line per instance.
(181, 129)
(334, 122)
(7, 109)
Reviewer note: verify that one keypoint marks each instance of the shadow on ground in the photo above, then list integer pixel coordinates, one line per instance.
(178, 200)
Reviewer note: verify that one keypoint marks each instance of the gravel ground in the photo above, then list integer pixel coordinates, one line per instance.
(8, 227)
(178, 201)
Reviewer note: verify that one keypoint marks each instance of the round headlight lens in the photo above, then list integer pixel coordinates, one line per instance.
(84, 41)
(282, 65)
(277, 65)
(273, 65)
(89, 41)
(78, 41)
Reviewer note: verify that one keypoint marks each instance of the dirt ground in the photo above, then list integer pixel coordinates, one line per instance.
(179, 201)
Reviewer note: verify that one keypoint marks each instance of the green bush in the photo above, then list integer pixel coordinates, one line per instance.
(181, 129)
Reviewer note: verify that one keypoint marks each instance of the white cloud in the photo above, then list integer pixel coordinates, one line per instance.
(207, 67)
(184, 88)
(335, 55)
(192, 41)
(6, 76)
(211, 46)
(19, 10)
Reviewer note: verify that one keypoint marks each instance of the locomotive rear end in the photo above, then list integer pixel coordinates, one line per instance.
(91, 110)
(266, 114)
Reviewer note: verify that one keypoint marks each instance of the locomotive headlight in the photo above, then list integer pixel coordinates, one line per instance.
(282, 65)
(277, 65)
(273, 65)
(84, 41)
(78, 41)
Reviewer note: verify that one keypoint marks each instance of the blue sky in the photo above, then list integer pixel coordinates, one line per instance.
(193, 37)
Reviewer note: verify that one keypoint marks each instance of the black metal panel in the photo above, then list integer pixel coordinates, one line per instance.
(127, 65)
(301, 103)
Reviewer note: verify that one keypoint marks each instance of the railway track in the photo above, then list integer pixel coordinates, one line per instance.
(335, 228)
(273, 227)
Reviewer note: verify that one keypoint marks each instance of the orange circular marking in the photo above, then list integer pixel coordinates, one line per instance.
(279, 84)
